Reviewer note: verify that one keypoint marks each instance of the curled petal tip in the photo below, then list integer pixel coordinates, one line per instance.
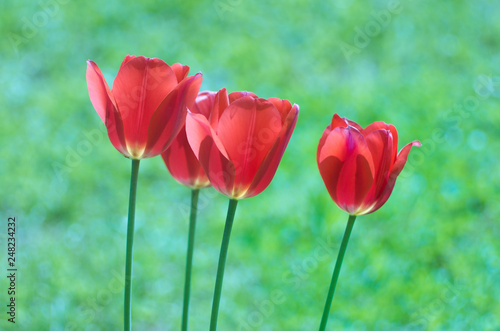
(197, 76)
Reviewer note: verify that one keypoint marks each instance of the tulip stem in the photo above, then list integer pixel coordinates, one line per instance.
(189, 257)
(336, 271)
(130, 245)
(222, 262)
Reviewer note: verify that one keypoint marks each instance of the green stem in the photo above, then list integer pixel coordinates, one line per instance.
(189, 258)
(130, 245)
(336, 271)
(222, 262)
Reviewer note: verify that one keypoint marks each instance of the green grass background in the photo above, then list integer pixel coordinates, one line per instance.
(428, 260)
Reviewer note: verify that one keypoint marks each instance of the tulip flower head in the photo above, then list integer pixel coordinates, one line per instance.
(146, 108)
(179, 157)
(241, 142)
(360, 166)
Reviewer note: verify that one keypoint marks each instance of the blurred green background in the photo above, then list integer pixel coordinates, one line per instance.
(427, 260)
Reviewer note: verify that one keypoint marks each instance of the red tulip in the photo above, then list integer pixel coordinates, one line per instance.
(179, 157)
(241, 142)
(146, 108)
(360, 166)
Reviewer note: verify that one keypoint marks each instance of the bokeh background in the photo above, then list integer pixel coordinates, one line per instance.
(427, 260)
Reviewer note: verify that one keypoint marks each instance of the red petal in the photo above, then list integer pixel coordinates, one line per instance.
(183, 164)
(283, 107)
(270, 164)
(321, 143)
(330, 169)
(402, 157)
(395, 171)
(353, 124)
(338, 121)
(99, 91)
(170, 116)
(351, 175)
(126, 59)
(331, 158)
(355, 182)
(356, 175)
(103, 102)
(139, 88)
(114, 125)
(210, 152)
(337, 143)
(221, 103)
(380, 144)
(384, 126)
(237, 95)
(179, 157)
(181, 71)
(204, 103)
(248, 129)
